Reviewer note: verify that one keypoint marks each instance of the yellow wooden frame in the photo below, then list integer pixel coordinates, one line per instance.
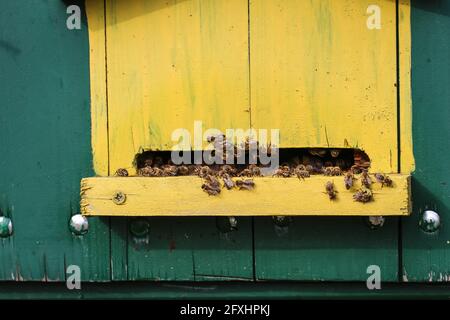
(183, 196)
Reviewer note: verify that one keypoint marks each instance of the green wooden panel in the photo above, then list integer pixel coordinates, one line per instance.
(182, 249)
(325, 248)
(45, 144)
(427, 257)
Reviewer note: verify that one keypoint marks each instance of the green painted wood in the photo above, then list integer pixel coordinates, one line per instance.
(188, 249)
(427, 257)
(45, 144)
(223, 290)
(325, 248)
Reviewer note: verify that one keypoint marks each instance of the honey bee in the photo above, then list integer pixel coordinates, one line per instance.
(318, 152)
(157, 162)
(245, 184)
(158, 172)
(169, 170)
(227, 181)
(301, 174)
(146, 172)
(328, 171)
(366, 181)
(283, 171)
(335, 153)
(384, 180)
(211, 185)
(121, 172)
(254, 170)
(245, 173)
(183, 170)
(309, 168)
(356, 169)
(336, 171)
(330, 190)
(363, 195)
(148, 162)
(204, 171)
(348, 180)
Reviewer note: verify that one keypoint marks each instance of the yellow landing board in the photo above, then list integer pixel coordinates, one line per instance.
(183, 196)
(325, 74)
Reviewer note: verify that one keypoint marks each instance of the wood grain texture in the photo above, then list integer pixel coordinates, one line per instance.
(171, 63)
(426, 257)
(325, 249)
(183, 196)
(322, 77)
(99, 109)
(45, 144)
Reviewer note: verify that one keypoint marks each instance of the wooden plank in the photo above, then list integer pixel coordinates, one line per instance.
(45, 145)
(326, 80)
(407, 164)
(97, 63)
(325, 249)
(183, 196)
(426, 257)
(171, 63)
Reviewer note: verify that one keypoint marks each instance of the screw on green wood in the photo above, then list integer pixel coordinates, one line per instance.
(139, 227)
(430, 221)
(6, 227)
(78, 225)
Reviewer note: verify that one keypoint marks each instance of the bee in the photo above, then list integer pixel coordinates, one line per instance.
(146, 172)
(227, 181)
(204, 171)
(254, 170)
(169, 170)
(283, 171)
(328, 171)
(363, 195)
(148, 162)
(318, 152)
(183, 170)
(121, 172)
(366, 181)
(245, 184)
(335, 153)
(336, 171)
(211, 185)
(158, 172)
(301, 174)
(309, 168)
(384, 180)
(330, 190)
(348, 180)
(356, 169)
(245, 173)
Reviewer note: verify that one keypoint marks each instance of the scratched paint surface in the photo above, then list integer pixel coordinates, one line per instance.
(170, 63)
(321, 76)
(427, 257)
(45, 149)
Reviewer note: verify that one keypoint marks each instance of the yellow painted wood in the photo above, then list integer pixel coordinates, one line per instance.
(183, 196)
(99, 113)
(406, 145)
(171, 63)
(321, 76)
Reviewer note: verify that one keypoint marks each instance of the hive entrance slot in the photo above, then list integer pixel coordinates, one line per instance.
(314, 160)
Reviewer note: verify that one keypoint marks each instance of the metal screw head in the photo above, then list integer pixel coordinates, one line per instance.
(6, 227)
(139, 227)
(78, 224)
(430, 221)
(282, 221)
(226, 224)
(119, 198)
(375, 222)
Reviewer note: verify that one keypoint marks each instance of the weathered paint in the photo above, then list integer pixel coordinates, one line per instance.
(320, 91)
(183, 196)
(426, 257)
(171, 63)
(45, 144)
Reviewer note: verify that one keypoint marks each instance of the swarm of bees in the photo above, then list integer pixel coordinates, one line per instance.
(351, 164)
